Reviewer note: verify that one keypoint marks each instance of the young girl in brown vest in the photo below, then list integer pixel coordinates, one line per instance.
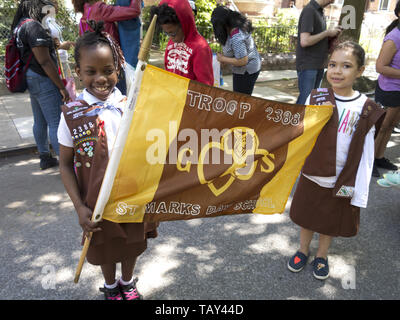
(86, 134)
(335, 178)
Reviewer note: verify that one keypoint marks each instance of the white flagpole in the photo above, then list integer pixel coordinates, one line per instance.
(120, 140)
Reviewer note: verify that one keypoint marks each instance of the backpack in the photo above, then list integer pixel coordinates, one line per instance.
(14, 69)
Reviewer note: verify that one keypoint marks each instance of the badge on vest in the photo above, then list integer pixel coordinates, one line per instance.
(345, 192)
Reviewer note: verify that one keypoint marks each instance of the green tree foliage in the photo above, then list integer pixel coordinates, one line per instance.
(278, 35)
(203, 17)
(204, 10)
(7, 12)
(66, 19)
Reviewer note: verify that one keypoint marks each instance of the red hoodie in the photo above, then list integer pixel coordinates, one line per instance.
(193, 57)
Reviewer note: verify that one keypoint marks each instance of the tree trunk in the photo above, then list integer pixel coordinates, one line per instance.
(351, 19)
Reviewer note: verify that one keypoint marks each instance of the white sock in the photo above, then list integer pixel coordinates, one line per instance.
(124, 283)
(111, 286)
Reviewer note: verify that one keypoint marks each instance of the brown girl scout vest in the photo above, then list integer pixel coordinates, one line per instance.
(90, 148)
(322, 159)
(91, 159)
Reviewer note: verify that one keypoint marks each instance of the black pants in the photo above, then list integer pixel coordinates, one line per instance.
(244, 83)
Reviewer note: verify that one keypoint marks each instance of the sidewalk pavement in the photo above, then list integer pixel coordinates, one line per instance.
(16, 119)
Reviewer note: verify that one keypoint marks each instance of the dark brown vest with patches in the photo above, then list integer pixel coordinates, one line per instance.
(90, 147)
(322, 159)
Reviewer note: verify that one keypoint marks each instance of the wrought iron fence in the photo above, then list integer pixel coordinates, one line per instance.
(274, 39)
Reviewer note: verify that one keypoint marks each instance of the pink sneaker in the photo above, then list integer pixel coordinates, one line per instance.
(112, 294)
(129, 291)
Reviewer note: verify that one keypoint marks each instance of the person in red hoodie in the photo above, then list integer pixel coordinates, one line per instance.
(188, 53)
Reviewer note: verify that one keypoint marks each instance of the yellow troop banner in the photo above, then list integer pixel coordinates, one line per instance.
(196, 151)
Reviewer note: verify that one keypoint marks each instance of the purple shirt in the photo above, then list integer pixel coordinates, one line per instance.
(386, 83)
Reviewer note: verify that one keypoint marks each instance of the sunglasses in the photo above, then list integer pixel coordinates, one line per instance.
(172, 34)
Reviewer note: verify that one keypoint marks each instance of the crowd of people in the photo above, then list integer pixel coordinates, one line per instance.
(318, 204)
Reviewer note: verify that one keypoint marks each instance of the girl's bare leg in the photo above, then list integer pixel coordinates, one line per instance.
(109, 273)
(324, 244)
(127, 267)
(305, 240)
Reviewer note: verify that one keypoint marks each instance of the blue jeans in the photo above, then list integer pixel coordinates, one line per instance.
(308, 80)
(46, 101)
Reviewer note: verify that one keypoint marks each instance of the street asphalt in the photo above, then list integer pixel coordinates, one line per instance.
(233, 257)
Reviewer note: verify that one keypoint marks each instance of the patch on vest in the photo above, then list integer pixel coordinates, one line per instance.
(321, 96)
(345, 192)
(76, 109)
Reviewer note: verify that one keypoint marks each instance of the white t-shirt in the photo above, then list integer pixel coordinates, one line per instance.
(349, 110)
(111, 118)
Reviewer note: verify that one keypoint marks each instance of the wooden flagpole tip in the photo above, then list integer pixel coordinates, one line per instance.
(148, 39)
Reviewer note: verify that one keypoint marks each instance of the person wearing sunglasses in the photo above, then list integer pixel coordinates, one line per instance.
(187, 53)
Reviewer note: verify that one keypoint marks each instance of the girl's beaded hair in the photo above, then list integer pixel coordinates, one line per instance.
(357, 50)
(96, 36)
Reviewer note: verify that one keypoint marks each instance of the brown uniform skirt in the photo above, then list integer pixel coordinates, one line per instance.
(119, 241)
(316, 209)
